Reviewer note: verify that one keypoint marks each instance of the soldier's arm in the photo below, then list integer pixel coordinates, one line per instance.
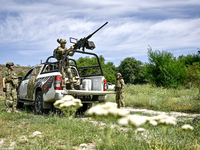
(3, 81)
(71, 53)
(122, 83)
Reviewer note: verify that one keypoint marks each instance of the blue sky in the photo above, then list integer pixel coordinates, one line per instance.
(29, 28)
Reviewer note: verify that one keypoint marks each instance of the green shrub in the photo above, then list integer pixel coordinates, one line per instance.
(164, 70)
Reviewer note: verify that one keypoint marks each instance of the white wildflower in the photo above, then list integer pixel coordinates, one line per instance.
(83, 145)
(187, 127)
(153, 122)
(58, 103)
(137, 120)
(108, 109)
(67, 98)
(123, 121)
(78, 102)
(139, 130)
(160, 117)
(67, 104)
(168, 121)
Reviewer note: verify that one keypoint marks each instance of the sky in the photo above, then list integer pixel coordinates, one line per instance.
(29, 29)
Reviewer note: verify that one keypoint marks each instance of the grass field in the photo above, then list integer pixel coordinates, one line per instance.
(62, 133)
(146, 96)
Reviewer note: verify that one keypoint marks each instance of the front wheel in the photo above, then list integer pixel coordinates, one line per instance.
(38, 105)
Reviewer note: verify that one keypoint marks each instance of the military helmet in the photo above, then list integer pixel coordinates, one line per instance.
(8, 64)
(61, 41)
(119, 74)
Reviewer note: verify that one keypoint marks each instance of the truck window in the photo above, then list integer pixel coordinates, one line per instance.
(28, 75)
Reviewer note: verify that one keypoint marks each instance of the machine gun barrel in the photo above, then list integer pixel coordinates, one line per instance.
(89, 36)
(84, 43)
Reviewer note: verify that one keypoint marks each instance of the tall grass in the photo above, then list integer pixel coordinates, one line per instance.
(185, 100)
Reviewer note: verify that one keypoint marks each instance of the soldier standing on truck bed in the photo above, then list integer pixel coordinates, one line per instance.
(119, 87)
(10, 83)
(59, 54)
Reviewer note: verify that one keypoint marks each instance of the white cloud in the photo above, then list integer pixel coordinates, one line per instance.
(133, 25)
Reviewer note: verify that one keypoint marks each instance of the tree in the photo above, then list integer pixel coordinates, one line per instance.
(132, 70)
(164, 70)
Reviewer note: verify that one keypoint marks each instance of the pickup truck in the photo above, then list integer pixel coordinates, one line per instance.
(42, 85)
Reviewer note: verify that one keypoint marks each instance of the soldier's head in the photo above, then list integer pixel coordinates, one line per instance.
(118, 75)
(62, 42)
(10, 65)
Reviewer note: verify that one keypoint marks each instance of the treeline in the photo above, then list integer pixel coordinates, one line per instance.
(162, 69)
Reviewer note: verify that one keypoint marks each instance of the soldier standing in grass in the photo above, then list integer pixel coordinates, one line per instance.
(119, 87)
(59, 54)
(10, 82)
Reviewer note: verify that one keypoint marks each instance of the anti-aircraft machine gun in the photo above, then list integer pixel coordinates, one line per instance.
(83, 42)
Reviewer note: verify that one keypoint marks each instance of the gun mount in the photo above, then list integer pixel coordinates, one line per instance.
(83, 42)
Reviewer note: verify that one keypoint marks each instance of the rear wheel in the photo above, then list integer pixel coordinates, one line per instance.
(81, 111)
(38, 105)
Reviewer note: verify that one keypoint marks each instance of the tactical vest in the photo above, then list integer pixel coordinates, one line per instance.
(118, 84)
(12, 78)
(60, 56)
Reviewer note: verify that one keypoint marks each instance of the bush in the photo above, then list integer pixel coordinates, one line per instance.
(132, 71)
(21, 74)
(164, 70)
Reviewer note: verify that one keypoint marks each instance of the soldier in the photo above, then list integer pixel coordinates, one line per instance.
(10, 82)
(59, 54)
(119, 87)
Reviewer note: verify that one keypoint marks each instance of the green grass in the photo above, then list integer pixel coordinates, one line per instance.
(156, 98)
(58, 132)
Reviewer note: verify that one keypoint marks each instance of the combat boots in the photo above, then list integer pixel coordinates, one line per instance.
(72, 86)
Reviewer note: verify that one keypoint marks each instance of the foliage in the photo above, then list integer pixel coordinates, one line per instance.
(194, 74)
(21, 73)
(190, 59)
(132, 71)
(164, 70)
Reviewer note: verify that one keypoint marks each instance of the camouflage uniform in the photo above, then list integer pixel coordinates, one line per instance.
(11, 81)
(59, 54)
(119, 87)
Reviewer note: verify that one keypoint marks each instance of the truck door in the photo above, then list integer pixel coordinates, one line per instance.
(23, 85)
(32, 80)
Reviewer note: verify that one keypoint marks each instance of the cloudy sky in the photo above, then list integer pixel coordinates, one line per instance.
(29, 28)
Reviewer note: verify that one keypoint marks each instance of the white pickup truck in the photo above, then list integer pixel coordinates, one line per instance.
(42, 85)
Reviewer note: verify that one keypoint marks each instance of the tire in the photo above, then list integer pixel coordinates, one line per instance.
(19, 104)
(38, 105)
(81, 111)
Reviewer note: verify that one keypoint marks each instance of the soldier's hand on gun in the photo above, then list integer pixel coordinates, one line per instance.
(4, 89)
(72, 47)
